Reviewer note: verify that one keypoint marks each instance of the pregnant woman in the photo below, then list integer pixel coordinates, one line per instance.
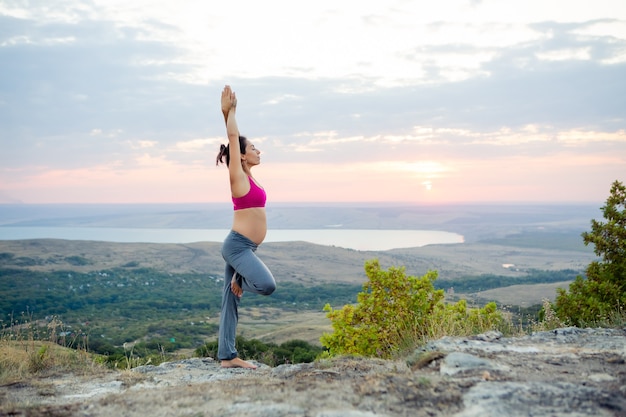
(244, 270)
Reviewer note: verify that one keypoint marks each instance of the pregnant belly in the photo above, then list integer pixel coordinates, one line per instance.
(252, 223)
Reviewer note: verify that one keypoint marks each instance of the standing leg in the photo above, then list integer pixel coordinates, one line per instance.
(226, 351)
(229, 318)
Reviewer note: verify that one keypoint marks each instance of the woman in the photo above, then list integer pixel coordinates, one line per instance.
(244, 270)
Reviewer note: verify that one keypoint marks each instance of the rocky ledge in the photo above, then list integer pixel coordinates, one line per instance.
(565, 372)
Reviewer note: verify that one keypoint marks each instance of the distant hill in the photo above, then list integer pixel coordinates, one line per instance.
(300, 262)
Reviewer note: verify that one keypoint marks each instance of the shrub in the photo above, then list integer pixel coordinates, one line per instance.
(77, 260)
(395, 312)
(293, 351)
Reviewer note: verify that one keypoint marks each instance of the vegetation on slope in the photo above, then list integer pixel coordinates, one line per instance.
(157, 312)
(476, 283)
(272, 354)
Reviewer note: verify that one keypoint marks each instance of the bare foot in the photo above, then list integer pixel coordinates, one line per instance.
(238, 363)
(235, 288)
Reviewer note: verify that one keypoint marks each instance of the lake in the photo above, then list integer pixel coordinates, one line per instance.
(375, 240)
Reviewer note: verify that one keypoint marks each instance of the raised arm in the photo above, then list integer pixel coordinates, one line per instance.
(239, 183)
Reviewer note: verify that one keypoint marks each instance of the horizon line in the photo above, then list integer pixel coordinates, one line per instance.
(316, 203)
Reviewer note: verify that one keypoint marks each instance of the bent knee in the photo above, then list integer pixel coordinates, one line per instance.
(269, 289)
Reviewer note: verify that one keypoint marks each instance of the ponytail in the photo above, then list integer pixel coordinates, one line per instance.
(224, 154)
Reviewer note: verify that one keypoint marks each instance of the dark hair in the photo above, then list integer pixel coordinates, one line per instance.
(225, 151)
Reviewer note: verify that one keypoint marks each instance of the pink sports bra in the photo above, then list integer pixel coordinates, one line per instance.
(255, 198)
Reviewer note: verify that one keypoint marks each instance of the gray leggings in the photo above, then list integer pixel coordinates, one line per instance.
(252, 275)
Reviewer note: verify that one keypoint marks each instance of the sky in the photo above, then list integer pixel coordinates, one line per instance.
(454, 101)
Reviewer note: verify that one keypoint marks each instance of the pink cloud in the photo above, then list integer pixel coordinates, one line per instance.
(561, 177)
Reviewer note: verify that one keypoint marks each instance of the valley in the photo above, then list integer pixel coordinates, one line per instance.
(168, 294)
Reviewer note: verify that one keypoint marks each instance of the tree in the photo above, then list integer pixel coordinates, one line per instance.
(603, 292)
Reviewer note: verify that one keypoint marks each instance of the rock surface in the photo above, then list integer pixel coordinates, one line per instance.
(565, 372)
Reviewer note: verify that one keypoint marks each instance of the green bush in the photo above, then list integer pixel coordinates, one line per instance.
(395, 312)
(293, 351)
(77, 260)
(6, 256)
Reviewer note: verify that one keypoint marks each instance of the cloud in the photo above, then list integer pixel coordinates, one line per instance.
(195, 145)
(112, 84)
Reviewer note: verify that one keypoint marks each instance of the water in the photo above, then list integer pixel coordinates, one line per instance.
(375, 240)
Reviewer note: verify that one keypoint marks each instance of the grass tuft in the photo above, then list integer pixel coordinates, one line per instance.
(29, 349)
